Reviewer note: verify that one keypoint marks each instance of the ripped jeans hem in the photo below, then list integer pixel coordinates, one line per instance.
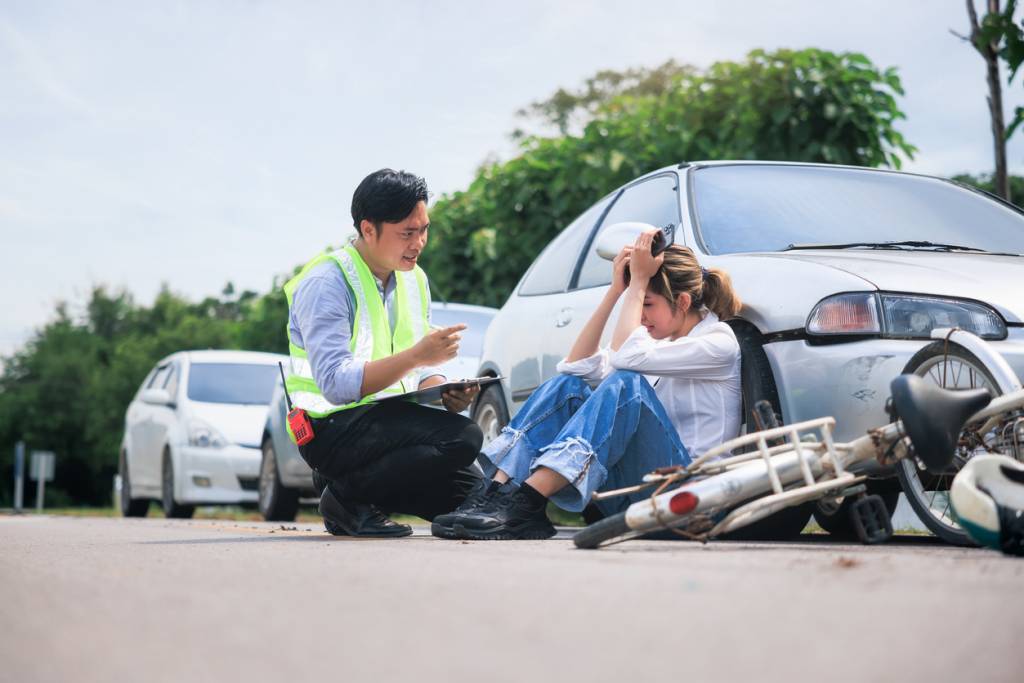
(491, 457)
(575, 460)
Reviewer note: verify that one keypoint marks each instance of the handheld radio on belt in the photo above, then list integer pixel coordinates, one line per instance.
(298, 421)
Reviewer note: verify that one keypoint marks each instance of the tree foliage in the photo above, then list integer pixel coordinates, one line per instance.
(794, 105)
(566, 109)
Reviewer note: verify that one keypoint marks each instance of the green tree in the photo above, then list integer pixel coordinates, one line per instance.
(998, 36)
(568, 109)
(803, 105)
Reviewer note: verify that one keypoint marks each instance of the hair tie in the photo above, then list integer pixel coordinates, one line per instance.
(703, 274)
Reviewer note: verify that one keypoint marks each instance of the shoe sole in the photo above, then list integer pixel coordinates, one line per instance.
(504, 533)
(335, 529)
(445, 532)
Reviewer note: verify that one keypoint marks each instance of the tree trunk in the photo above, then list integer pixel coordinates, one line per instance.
(989, 51)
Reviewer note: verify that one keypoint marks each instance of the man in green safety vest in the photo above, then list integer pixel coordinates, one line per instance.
(359, 331)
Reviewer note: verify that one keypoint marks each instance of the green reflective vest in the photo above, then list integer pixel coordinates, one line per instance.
(372, 337)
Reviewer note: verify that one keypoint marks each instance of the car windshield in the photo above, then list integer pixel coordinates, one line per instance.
(745, 208)
(242, 383)
(472, 343)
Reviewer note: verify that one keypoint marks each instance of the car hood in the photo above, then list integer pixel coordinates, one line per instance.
(779, 289)
(240, 424)
(995, 280)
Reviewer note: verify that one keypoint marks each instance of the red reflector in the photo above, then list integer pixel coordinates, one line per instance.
(682, 503)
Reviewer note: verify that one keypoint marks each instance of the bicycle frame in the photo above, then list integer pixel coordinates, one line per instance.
(794, 472)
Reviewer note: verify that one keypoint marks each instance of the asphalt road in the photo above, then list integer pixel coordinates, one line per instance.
(107, 599)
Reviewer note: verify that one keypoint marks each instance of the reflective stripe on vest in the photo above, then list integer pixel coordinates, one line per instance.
(372, 337)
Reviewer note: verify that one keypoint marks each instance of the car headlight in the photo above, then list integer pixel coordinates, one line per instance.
(901, 316)
(203, 435)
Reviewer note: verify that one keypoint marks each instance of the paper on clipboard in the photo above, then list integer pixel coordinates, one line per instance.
(432, 395)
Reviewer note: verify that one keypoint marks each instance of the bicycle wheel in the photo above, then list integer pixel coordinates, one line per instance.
(602, 531)
(928, 494)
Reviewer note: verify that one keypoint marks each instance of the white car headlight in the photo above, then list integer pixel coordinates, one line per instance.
(203, 435)
(901, 316)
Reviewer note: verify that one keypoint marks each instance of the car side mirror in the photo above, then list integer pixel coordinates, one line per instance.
(157, 397)
(618, 235)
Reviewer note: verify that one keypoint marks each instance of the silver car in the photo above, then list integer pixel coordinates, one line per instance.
(285, 478)
(843, 273)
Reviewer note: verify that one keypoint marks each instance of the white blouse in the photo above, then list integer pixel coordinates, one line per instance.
(696, 378)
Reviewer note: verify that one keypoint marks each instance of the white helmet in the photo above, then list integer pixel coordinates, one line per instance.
(987, 497)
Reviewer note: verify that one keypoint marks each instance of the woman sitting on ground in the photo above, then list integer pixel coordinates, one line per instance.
(568, 441)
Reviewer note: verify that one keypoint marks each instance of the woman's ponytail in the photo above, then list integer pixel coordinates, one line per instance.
(718, 294)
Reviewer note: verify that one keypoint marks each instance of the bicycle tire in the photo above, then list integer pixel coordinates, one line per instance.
(915, 497)
(602, 531)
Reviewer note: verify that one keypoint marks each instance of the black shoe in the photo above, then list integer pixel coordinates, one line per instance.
(442, 526)
(506, 514)
(358, 519)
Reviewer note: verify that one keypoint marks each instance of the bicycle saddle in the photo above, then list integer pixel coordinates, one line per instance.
(933, 417)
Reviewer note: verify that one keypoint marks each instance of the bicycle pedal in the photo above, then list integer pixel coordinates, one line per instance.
(871, 519)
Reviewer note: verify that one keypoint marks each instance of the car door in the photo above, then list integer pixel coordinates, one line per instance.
(540, 308)
(165, 418)
(653, 200)
(144, 464)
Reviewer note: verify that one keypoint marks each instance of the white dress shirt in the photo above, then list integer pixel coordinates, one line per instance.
(696, 378)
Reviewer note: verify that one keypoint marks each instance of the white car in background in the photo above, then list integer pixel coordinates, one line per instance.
(285, 477)
(192, 432)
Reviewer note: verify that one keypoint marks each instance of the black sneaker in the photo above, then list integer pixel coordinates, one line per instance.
(442, 524)
(358, 519)
(507, 514)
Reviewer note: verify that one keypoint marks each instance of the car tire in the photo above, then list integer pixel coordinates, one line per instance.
(277, 502)
(912, 480)
(836, 519)
(167, 500)
(130, 507)
(490, 413)
(758, 384)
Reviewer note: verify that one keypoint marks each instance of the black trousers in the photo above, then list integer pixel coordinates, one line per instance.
(400, 456)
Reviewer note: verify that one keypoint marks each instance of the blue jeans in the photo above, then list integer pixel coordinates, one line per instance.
(602, 439)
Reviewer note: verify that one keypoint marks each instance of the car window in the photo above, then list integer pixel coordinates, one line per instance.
(654, 201)
(171, 383)
(768, 208)
(146, 381)
(240, 383)
(551, 271)
(160, 378)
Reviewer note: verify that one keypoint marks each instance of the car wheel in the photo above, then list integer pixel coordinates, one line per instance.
(758, 384)
(130, 507)
(490, 413)
(278, 503)
(168, 502)
(928, 494)
(836, 519)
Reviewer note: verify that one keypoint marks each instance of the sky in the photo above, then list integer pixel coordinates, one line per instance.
(196, 143)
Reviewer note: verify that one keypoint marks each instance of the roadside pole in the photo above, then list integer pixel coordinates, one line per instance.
(19, 474)
(42, 471)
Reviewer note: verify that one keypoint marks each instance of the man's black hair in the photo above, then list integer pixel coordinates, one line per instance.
(387, 196)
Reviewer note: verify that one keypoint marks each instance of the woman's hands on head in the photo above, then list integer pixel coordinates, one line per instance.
(643, 266)
(619, 265)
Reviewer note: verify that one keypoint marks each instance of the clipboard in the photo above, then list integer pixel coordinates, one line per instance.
(432, 395)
